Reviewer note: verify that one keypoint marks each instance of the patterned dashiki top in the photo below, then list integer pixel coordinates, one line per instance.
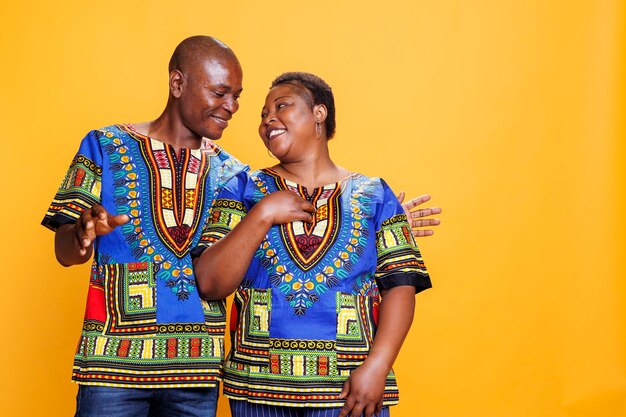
(145, 325)
(306, 312)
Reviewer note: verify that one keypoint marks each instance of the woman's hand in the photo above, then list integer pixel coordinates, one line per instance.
(363, 391)
(365, 387)
(284, 207)
(221, 267)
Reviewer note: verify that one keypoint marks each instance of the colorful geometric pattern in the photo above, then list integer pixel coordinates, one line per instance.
(172, 360)
(131, 298)
(306, 312)
(145, 325)
(307, 243)
(251, 337)
(397, 251)
(179, 186)
(356, 326)
(302, 290)
(302, 358)
(225, 214)
(79, 190)
(172, 227)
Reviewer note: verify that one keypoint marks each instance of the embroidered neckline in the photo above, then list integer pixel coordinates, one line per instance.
(206, 145)
(304, 191)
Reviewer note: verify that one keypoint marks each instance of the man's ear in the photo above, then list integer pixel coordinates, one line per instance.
(177, 83)
(320, 112)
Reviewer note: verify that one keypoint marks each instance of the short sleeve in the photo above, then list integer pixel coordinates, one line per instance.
(227, 211)
(399, 261)
(230, 167)
(81, 187)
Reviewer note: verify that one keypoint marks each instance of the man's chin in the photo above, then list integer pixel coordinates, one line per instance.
(213, 134)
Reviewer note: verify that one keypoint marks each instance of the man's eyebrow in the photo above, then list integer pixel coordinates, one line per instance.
(227, 87)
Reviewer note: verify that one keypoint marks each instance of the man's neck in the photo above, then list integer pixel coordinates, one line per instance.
(168, 128)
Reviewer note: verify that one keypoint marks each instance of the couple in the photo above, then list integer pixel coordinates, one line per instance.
(307, 308)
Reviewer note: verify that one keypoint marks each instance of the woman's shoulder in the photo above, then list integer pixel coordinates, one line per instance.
(258, 172)
(258, 177)
(372, 191)
(365, 184)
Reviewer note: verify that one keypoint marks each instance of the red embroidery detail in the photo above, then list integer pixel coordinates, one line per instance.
(308, 244)
(161, 159)
(275, 364)
(80, 175)
(172, 348)
(122, 349)
(179, 233)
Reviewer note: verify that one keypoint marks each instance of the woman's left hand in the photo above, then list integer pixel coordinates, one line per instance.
(363, 391)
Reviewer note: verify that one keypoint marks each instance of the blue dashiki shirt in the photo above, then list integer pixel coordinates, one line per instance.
(306, 312)
(145, 325)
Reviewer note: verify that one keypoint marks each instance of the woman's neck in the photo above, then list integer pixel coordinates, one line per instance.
(311, 174)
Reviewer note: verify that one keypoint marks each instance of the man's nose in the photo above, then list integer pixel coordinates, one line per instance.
(231, 104)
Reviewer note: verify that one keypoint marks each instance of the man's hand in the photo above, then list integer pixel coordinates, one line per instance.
(415, 216)
(73, 242)
(93, 222)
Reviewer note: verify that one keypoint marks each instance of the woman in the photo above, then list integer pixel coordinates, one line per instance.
(310, 248)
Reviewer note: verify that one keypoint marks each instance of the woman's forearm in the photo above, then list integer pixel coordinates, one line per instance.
(364, 390)
(221, 267)
(394, 321)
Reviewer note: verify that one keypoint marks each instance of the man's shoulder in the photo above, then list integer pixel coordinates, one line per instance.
(114, 130)
(223, 157)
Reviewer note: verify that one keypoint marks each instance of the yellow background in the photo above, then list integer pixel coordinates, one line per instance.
(510, 113)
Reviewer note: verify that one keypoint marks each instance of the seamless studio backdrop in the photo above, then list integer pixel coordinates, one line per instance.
(510, 113)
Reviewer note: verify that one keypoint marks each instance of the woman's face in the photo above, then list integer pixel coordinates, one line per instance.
(287, 124)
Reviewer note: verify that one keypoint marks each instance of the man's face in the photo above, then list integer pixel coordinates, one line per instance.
(210, 96)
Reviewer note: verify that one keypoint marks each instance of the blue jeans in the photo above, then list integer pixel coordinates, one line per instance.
(96, 401)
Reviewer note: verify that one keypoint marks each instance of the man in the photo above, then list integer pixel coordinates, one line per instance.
(136, 197)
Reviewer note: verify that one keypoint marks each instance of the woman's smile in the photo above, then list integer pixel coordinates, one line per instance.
(274, 132)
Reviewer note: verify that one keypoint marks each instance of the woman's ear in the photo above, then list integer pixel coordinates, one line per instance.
(320, 112)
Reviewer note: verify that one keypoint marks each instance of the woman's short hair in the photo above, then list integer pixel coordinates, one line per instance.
(315, 91)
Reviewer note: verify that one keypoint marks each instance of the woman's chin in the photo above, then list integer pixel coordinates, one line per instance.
(278, 152)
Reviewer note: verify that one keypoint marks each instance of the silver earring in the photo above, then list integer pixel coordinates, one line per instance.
(318, 129)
